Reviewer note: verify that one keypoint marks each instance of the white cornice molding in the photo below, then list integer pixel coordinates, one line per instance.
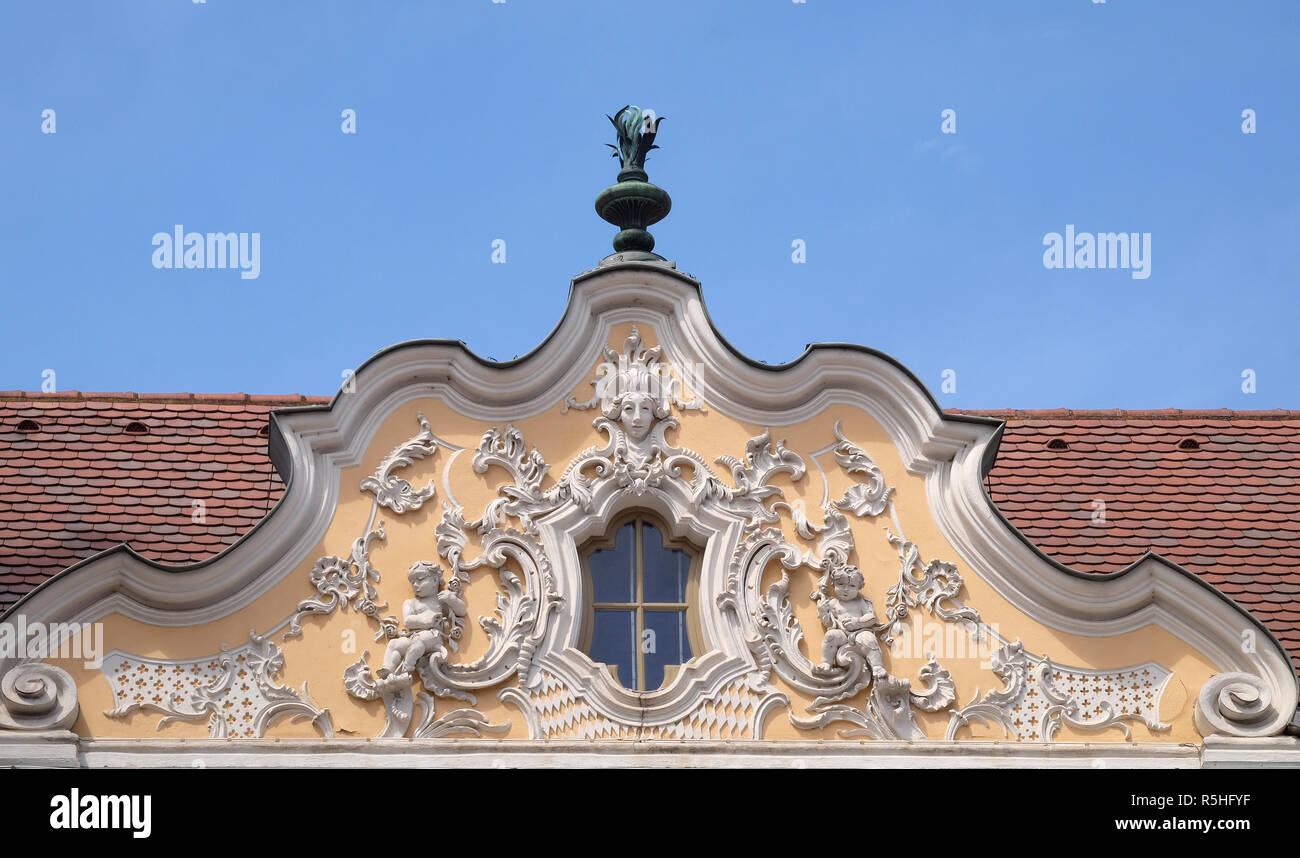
(311, 444)
(64, 750)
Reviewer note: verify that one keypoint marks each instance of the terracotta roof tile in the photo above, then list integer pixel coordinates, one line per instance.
(80, 483)
(1228, 511)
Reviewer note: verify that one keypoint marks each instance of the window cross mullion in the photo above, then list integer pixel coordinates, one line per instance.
(638, 560)
(637, 606)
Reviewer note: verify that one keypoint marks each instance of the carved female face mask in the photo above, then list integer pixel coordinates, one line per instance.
(637, 415)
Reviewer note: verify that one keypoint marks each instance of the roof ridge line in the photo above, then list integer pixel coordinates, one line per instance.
(1006, 413)
(1122, 413)
(131, 396)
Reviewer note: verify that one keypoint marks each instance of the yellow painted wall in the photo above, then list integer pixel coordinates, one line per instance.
(320, 656)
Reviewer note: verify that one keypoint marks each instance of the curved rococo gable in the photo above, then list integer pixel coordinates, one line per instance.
(422, 581)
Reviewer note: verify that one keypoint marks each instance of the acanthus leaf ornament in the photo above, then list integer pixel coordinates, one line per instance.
(763, 460)
(458, 722)
(887, 713)
(939, 691)
(636, 130)
(393, 492)
(343, 584)
(936, 588)
(868, 498)
(523, 498)
(638, 370)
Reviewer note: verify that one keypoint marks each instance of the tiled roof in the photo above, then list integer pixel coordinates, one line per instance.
(82, 480)
(1217, 492)
(1228, 510)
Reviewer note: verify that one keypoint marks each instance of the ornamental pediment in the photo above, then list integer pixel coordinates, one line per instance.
(635, 532)
(429, 573)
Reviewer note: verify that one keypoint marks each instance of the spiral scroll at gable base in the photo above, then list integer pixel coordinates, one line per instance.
(38, 696)
(1238, 704)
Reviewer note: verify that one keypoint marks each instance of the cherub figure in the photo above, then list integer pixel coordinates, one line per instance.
(427, 619)
(850, 622)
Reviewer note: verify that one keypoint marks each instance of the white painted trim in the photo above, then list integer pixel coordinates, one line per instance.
(65, 750)
(1230, 752)
(477, 753)
(727, 655)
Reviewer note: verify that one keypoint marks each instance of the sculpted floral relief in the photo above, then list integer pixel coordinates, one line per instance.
(343, 584)
(532, 630)
(393, 492)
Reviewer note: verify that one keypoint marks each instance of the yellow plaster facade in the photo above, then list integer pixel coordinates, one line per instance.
(331, 642)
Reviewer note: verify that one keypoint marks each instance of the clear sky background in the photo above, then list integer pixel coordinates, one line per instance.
(817, 121)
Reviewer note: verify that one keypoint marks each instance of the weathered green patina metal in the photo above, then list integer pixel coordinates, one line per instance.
(634, 204)
(636, 129)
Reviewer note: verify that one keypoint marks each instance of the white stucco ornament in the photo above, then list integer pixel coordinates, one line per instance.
(36, 696)
(755, 542)
(1238, 704)
(534, 633)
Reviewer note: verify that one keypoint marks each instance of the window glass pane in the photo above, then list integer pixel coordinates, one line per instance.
(665, 569)
(669, 644)
(612, 569)
(613, 641)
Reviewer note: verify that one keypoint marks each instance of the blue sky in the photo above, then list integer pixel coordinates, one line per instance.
(817, 121)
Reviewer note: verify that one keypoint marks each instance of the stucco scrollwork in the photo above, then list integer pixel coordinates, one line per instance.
(760, 551)
(1039, 697)
(637, 369)
(1237, 704)
(887, 713)
(523, 498)
(763, 460)
(234, 690)
(868, 496)
(851, 658)
(342, 583)
(38, 696)
(528, 536)
(932, 585)
(433, 620)
(524, 602)
(392, 491)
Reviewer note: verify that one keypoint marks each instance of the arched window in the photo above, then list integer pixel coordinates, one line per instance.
(641, 585)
